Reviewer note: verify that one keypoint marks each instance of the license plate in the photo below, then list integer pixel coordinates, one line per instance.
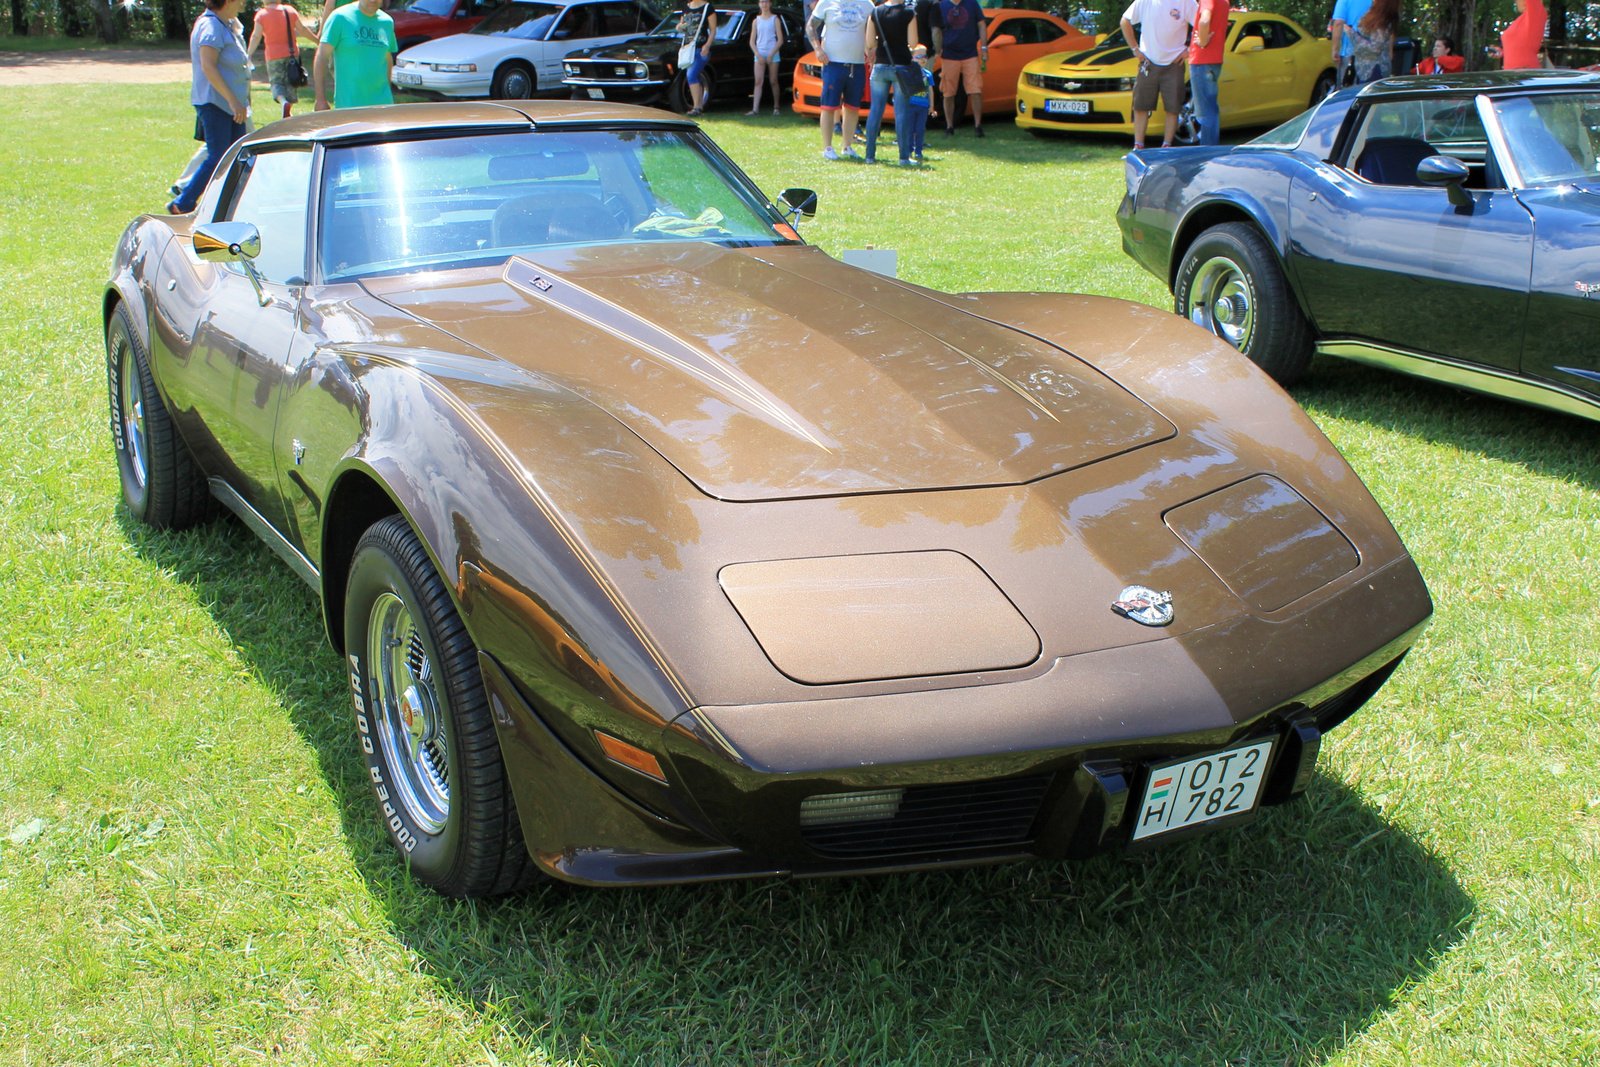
(1066, 107)
(1189, 792)
(597, 94)
(408, 79)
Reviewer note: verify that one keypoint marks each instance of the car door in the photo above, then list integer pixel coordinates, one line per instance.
(1257, 74)
(1385, 259)
(244, 340)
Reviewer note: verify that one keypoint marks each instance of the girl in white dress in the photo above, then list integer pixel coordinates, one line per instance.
(766, 37)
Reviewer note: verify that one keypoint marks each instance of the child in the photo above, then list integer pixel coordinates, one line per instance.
(920, 102)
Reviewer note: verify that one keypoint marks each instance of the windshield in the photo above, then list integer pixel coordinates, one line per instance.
(451, 202)
(728, 23)
(1553, 138)
(441, 8)
(524, 21)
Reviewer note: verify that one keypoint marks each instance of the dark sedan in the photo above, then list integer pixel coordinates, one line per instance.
(645, 69)
(1440, 226)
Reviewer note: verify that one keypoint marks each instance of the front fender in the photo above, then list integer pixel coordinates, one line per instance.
(132, 274)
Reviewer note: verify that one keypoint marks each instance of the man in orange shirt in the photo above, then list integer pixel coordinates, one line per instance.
(1205, 67)
(1519, 44)
(278, 24)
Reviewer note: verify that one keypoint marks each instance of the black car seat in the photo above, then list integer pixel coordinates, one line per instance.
(1393, 160)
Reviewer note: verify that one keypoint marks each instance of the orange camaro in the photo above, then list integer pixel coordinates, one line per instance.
(1016, 38)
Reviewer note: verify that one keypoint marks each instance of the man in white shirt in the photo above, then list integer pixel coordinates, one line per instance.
(1163, 39)
(838, 33)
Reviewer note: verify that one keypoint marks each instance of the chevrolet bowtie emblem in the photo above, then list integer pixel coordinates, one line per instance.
(1145, 606)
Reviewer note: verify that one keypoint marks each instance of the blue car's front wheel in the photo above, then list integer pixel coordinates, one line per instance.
(1229, 283)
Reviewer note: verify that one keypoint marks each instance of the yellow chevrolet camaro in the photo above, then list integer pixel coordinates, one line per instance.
(1272, 69)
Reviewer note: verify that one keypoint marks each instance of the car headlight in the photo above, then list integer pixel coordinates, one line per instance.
(1125, 84)
(811, 70)
(641, 71)
(570, 68)
(1034, 80)
(455, 68)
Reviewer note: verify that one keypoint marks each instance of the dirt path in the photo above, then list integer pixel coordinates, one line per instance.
(101, 66)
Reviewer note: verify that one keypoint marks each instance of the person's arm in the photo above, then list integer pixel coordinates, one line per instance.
(1338, 38)
(255, 40)
(711, 31)
(871, 40)
(1202, 28)
(1133, 40)
(753, 48)
(814, 35)
(328, 8)
(779, 27)
(911, 36)
(319, 74)
(208, 67)
(302, 30)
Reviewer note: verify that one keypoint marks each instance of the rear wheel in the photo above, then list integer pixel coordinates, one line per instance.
(161, 483)
(433, 757)
(1188, 131)
(514, 81)
(1229, 283)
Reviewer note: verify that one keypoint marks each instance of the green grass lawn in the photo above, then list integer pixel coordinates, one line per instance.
(190, 871)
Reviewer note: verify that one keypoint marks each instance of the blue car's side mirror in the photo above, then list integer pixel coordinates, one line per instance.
(1448, 172)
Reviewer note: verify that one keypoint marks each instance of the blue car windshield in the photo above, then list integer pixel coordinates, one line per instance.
(1553, 137)
(524, 21)
(476, 200)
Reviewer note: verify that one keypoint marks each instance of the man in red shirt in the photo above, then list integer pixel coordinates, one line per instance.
(1444, 59)
(279, 25)
(1519, 44)
(1205, 66)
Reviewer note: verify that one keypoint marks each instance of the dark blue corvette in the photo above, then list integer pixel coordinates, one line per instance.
(1447, 227)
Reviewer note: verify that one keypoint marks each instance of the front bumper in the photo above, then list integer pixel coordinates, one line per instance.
(630, 91)
(436, 83)
(1052, 764)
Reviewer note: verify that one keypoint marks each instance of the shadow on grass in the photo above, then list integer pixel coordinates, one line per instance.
(1544, 442)
(1274, 943)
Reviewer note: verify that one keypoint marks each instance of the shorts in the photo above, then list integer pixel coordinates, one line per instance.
(962, 70)
(699, 64)
(1158, 81)
(278, 76)
(843, 83)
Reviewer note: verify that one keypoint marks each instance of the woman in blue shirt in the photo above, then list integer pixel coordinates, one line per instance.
(220, 91)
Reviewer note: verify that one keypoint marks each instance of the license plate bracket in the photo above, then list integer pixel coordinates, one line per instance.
(407, 79)
(1196, 794)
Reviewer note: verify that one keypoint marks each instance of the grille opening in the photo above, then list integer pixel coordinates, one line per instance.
(923, 818)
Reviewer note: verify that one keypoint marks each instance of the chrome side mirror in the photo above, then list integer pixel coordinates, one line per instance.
(1448, 172)
(798, 203)
(232, 242)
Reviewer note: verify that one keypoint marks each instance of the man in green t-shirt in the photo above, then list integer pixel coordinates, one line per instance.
(360, 40)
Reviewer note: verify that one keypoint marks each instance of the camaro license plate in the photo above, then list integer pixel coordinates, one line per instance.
(1066, 107)
(1199, 790)
(408, 79)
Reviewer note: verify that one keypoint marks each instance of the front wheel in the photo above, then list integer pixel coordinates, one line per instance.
(423, 719)
(514, 81)
(681, 99)
(1229, 283)
(1323, 87)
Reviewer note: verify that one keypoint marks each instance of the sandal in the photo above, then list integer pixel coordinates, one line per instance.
(693, 111)
(748, 114)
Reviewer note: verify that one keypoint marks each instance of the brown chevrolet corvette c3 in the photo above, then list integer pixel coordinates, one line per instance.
(662, 546)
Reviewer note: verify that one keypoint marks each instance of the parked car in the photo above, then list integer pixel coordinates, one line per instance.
(1272, 69)
(1441, 226)
(1016, 37)
(661, 546)
(516, 52)
(426, 20)
(644, 70)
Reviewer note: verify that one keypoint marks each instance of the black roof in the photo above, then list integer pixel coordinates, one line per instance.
(1484, 81)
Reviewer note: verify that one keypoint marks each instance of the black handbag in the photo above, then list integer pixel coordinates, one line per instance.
(909, 75)
(296, 73)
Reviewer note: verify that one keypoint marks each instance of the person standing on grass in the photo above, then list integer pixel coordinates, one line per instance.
(1520, 42)
(359, 40)
(766, 38)
(1162, 41)
(219, 90)
(838, 34)
(891, 35)
(961, 37)
(697, 27)
(920, 102)
(1205, 67)
(279, 26)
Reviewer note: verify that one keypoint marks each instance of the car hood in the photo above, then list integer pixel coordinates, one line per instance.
(1104, 61)
(461, 48)
(645, 48)
(778, 372)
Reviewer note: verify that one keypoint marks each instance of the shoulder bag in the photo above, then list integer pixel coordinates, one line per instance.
(296, 74)
(909, 75)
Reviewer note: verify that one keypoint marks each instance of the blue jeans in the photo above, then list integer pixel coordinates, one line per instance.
(919, 124)
(220, 132)
(1203, 87)
(692, 76)
(883, 80)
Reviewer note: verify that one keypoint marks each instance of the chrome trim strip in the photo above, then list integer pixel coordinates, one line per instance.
(1497, 141)
(614, 83)
(1478, 379)
(267, 532)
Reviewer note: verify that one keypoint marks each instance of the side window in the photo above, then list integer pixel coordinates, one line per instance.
(1047, 30)
(577, 23)
(622, 18)
(1251, 29)
(1396, 135)
(1286, 36)
(276, 189)
(730, 25)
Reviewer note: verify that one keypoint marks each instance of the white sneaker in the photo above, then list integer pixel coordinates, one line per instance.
(849, 153)
(829, 153)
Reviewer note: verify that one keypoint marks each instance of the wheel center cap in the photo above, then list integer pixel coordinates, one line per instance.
(1223, 310)
(416, 712)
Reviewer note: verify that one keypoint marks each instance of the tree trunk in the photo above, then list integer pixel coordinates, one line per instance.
(105, 21)
(173, 24)
(19, 18)
(1558, 20)
(1460, 21)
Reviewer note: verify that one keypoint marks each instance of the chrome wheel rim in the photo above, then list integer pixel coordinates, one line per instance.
(1221, 300)
(131, 412)
(408, 713)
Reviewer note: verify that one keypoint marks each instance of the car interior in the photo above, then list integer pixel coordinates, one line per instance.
(1396, 135)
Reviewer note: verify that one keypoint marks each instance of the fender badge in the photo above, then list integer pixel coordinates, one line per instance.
(541, 285)
(1145, 606)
